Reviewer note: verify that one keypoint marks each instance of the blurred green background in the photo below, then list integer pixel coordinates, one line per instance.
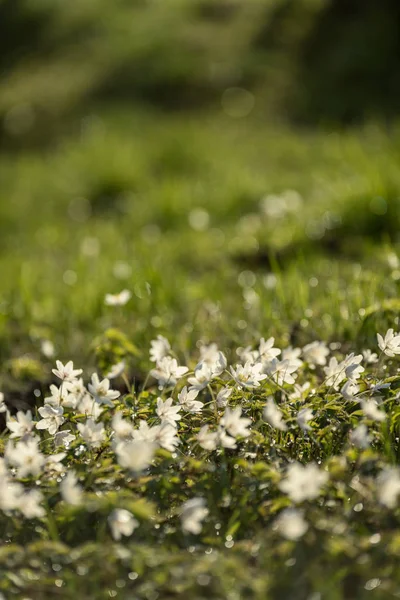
(314, 61)
(233, 163)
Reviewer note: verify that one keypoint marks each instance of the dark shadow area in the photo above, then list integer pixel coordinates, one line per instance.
(169, 89)
(22, 30)
(364, 223)
(349, 64)
(343, 58)
(309, 62)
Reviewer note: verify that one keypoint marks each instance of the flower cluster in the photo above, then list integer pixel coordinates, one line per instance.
(208, 410)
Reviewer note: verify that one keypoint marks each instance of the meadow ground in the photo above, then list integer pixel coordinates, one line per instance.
(266, 257)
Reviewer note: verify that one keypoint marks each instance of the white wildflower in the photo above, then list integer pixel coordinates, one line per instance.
(47, 348)
(57, 395)
(303, 417)
(26, 457)
(70, 401)
(303, 482)
(209, 353)
(205, 371)
(52, 418)
(89, 407)
(274, 416)
(66, 372)
(20, 426)
(165, 435)
(370, 357)
(10, 492)
(291, 524)
(116, 370)
(188, 401)
(388, 487)
(122, 522)
(234, 423)
(281, 371)
(359, 436)
(160, 348)
(349, 368)
(334, 372)
(300, 391)
(193, 512)
(350, 390)
(293, 356)
(247, 354)
(167, 372)
(223, 396)
(123, 430)
(218, 365)
(207, 439)
(249, 375)
(316, 353)
(380, 385)
(202, 377)
(135, 455)
(371, 410)
(225, 440)
(76, 391)
(53, 463)
(167, 412)
(101, 391)
(29, 504)
(63, 438)
(214, 358)
(118, 299)
(71, 492)
(390, 344)
(266, 350)
(92, 433)
(353, 368)
(145, 433)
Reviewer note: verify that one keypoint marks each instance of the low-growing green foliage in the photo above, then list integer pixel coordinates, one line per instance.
(245, 469)
(276, 477)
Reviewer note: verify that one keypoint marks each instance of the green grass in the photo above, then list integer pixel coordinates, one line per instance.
(141, 176)
(123, 192)
(104, 188)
